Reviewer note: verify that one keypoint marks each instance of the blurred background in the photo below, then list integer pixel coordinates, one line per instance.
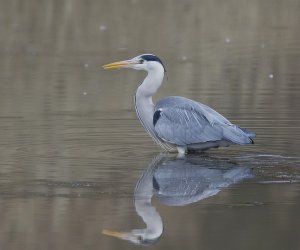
(72, 148)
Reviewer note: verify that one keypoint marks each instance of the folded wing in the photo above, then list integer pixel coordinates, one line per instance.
(181, 121)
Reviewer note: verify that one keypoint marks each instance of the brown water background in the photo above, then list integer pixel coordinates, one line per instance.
(72, 149)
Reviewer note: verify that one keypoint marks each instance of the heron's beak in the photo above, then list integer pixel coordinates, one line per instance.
(119, 64)
(117, 234)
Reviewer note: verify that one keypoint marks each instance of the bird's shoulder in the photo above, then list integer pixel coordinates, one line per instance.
(175, 102)
(173, 105)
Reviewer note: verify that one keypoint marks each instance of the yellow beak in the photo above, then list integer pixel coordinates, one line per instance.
(118, 65)
(113, 233)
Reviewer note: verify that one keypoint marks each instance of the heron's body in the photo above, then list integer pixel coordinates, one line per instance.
(177, 122)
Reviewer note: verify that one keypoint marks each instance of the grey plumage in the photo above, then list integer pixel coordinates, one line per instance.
(185, 122)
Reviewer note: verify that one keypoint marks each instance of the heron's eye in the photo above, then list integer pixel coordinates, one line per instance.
(140, 238)
(141, 61)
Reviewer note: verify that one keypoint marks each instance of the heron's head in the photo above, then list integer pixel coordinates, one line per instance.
(136, 236)
(145, 62)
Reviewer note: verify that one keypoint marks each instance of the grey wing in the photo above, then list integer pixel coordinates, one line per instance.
(181, 121)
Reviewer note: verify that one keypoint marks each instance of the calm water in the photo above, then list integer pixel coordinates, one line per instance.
(74, 156)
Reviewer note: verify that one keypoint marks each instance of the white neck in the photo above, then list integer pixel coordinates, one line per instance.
(143, 98)
(153, 80)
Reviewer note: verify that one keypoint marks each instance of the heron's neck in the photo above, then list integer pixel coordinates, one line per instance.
(151, 83)
(143, 100)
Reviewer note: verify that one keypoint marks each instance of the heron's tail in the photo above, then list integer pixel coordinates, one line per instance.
(249, 133)
(238, 135)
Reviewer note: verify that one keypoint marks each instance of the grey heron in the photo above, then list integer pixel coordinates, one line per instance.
(177, 122)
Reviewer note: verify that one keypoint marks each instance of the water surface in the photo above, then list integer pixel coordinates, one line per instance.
(72, 149)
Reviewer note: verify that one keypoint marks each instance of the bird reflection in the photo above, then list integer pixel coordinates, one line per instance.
(177, 182)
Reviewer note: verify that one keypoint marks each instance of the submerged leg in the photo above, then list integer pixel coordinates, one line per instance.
(181, 150)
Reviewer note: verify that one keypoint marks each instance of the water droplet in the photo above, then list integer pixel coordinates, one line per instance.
(227, 40)
(86, 65)
(102, 27)
(183, 58)
(84, 93)
(271, 76)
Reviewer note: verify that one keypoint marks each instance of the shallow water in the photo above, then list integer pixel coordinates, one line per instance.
(72, 150)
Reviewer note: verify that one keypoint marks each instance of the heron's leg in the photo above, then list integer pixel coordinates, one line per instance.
(181, 151)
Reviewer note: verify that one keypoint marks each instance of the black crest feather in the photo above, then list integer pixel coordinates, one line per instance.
(150, 57)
